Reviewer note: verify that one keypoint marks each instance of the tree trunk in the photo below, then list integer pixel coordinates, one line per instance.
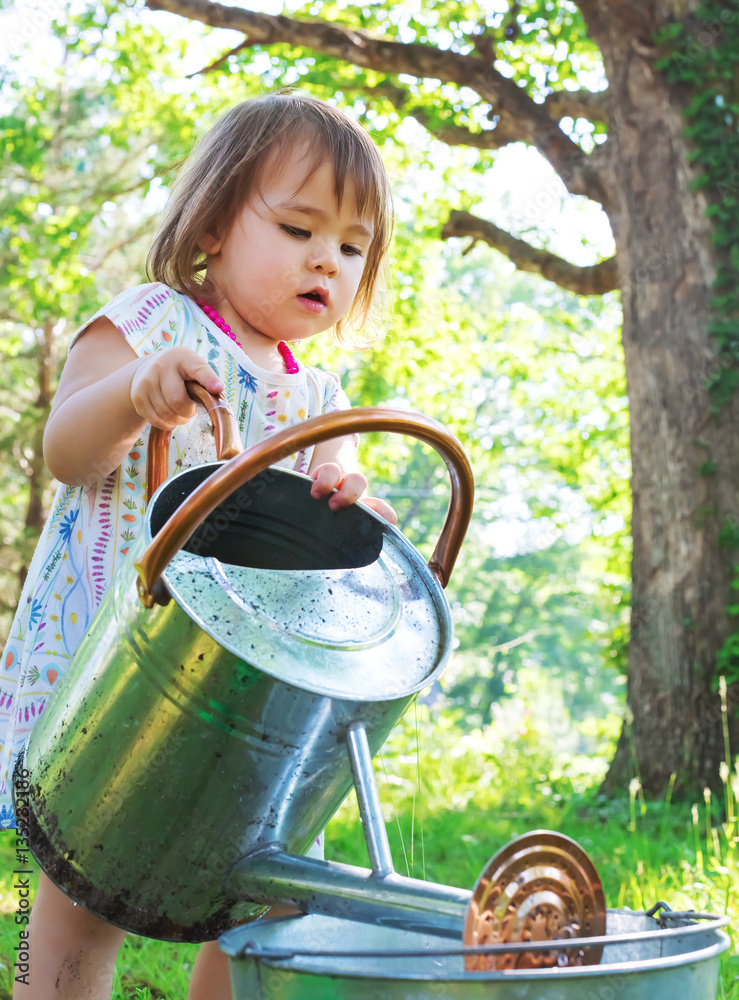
(681, 576)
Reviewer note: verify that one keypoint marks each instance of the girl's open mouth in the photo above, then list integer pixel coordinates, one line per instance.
(314, 300)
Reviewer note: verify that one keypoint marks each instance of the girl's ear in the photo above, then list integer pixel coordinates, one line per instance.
(210, 244)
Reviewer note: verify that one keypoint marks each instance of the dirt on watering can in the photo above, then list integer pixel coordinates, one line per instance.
(117, 909)
(255, 672)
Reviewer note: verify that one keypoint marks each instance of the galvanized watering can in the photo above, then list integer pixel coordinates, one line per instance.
(252, 654)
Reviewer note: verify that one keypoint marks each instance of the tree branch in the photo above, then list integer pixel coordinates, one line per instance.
(451, 133)
(529, 121)
(134, 235)
(117, 192)
(217, 63)
(459, 135)
(595, 106)
(593, 280)
(561, 105)
(632, 16)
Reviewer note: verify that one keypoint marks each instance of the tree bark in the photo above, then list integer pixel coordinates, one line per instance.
(681, 576)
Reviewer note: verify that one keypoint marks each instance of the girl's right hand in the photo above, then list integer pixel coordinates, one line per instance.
(106, 397)
(158, 391)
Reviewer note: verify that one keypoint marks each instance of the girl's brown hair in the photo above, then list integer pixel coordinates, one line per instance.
(225, 167)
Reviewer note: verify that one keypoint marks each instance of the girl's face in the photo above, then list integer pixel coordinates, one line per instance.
(292, 261)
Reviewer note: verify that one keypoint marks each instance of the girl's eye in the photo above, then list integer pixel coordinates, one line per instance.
(351, 251)
(300, 234)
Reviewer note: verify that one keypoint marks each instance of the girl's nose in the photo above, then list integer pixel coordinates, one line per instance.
(326, 259)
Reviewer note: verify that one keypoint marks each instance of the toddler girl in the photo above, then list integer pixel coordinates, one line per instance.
(276, 231)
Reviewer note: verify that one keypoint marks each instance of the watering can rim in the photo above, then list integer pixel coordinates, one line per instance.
(421, 569)
(244, 466)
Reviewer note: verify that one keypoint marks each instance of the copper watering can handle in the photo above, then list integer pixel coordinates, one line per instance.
(250, 463)
(225, 428)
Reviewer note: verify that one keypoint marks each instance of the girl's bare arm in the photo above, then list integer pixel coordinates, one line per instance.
(106, 397)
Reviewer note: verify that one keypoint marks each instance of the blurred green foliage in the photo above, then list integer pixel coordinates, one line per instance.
(529, 377)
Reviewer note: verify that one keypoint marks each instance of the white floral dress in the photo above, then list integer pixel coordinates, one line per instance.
(90, 528)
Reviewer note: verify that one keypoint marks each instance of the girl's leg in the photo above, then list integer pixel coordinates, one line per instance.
(72, 951)
(210, 978)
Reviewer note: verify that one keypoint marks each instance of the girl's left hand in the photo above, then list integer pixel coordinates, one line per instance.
(349, 488)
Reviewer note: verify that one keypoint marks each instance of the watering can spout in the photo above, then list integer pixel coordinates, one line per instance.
(272, 875)
(375, 896)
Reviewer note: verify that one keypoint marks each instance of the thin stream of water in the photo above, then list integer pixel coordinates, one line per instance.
(395, 813)
(418, 792)
(409, 860)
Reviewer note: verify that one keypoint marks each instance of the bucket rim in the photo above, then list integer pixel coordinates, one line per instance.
(304, 962)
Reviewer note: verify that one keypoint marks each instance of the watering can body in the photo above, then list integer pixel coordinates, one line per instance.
(211, 723)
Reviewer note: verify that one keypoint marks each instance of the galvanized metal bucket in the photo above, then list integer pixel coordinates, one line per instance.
(326, 958)
(206, 714)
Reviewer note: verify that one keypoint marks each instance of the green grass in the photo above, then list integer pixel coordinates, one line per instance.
(454, 804)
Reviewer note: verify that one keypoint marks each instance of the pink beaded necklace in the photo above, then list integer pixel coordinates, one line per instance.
(291, 365)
